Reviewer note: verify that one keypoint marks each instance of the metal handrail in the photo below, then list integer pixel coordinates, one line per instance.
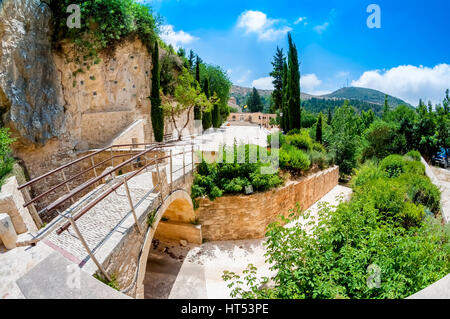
(56, 170)
(113, 189)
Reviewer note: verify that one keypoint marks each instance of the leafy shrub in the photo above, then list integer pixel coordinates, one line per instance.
(393, 165)
(318, 159)
(6, 160)
(365, 174)
(384, 224)
(422, 191)
(414, 167)
(301, 140)
(412, 215)
(318, 148)
(294, 159)
(216, 179)
(415, 155)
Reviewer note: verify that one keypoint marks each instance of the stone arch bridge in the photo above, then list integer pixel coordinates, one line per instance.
(103, 216)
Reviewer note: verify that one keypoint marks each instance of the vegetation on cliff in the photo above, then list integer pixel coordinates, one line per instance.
(6, 159)
(104, 24)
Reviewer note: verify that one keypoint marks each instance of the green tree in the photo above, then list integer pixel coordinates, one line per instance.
(386, 107)
(157, 112)
(191, 60)
(277, 75)
(319, 131)
(330, 116)
(285, 119)
(197, 109)
(187, 95)
(425, 132)
(167, 76)
(254, 102)
(207, 116)
(294, 101)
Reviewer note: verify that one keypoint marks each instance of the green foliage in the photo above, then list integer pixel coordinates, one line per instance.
(151, 218)
(383, 139)
(415, 155)
(6, 159)
(319, 131)
(293, 86)
(294, 159)
(157, 112)
(381, 227)
(232, 177)
(277, 75)
(254, 102)
(300, 140)
(422, 191)
(104, 23)
(393, 165)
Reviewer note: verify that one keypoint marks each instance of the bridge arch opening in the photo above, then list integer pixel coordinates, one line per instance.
(174, 230)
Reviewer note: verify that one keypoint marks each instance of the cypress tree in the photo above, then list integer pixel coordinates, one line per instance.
(277, 75)
(197, 109)
(386, 107)
(207, 116)
(319, 128)
(285, 118)
(157, 113)
(330, 116)
(216, 119)
(294, 101)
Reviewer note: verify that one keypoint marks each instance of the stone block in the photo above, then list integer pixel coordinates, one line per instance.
(11, 203)
(7, 233)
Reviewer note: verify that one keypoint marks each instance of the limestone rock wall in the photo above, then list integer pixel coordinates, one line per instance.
(56, 112)
(247, 217)
(30, 91)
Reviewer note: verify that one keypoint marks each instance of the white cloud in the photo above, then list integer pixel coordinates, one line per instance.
(175, 38)
(309, 82)
(409, 82)
(258, 23)
(321, 28)
(301, 19)
(244, 77)
(263, 83)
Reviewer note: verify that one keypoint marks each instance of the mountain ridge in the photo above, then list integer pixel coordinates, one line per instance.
(348, 93)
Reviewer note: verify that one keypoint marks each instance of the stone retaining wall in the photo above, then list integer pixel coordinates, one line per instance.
(247, 217)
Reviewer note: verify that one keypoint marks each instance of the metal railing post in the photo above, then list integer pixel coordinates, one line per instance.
(184, 166)
(159, 180)
(130, 201)
(83, 242)
(67, 185)
(171, 172)
(192, 158)
(112, 158)
(93, 165)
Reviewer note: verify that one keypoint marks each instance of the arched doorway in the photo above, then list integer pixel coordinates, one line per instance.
(175, 222)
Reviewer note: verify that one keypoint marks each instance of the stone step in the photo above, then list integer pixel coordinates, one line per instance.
(57, 278)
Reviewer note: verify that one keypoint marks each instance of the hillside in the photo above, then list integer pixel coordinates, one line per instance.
(364, 95)
(361, 98)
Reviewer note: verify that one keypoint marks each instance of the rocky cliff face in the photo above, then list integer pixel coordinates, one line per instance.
(55, 111)
(30, 93)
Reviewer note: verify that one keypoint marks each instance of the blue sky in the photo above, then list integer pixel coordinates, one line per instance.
(408, 56)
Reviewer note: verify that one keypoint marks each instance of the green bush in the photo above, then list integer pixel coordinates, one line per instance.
(366, 174)
(294, 159)
(415, 155)
(383, 226)
(393, 165)
(422, 191)
(216, 179)
(301, 140)
(412, 215)
(414, 167)
(6, 159)
(318, 159)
